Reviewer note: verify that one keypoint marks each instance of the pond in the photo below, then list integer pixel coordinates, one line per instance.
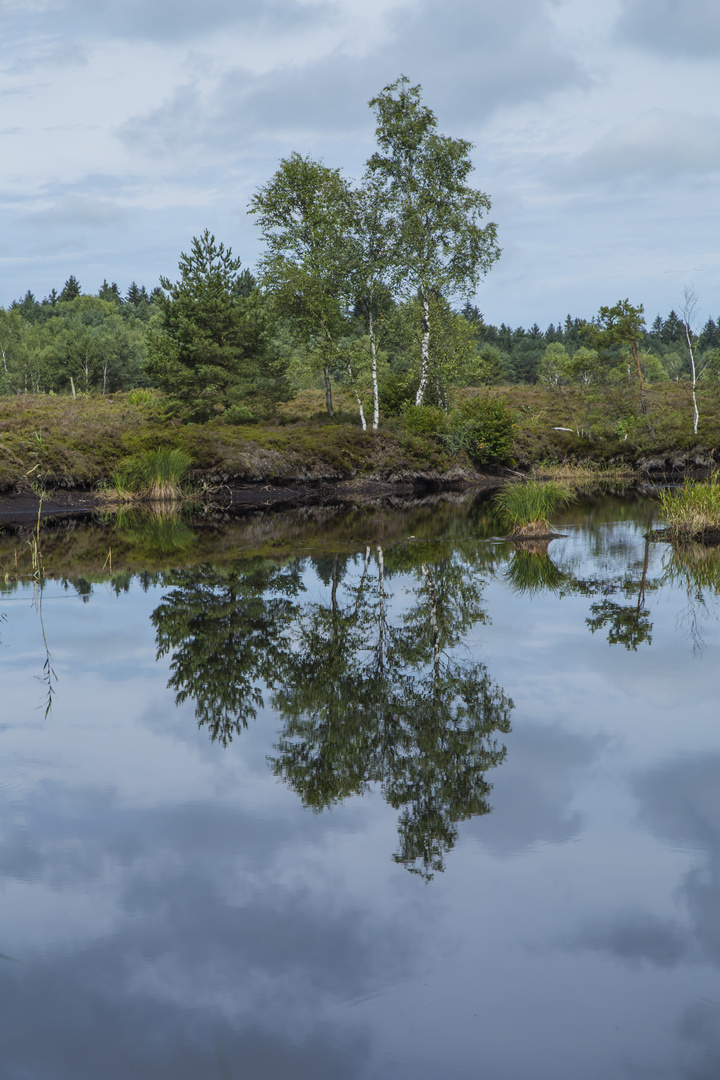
(360, 793)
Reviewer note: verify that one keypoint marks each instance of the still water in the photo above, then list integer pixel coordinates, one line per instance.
(361, 795)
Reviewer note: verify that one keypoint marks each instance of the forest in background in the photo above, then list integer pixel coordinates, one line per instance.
(98, 343)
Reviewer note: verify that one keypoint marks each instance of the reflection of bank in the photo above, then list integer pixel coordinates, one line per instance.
(695, 568)
(367, 696)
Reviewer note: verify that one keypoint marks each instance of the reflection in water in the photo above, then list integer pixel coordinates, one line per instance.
(531, 570)
(227, 630)
(154, 531)
(628, 624)
(366, 695)
(695, 568)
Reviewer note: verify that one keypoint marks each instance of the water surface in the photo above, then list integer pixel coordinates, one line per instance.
(361, 794)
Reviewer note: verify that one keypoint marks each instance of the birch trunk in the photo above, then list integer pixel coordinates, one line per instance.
(373, 350)
(696, 415)
(434, 623)
(424, 351)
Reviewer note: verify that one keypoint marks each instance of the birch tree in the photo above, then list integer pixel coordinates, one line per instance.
(690, 301)
(439, 247)
(306, 215)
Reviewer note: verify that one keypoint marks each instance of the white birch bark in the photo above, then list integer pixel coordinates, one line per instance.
(424, 351)
(373, 350)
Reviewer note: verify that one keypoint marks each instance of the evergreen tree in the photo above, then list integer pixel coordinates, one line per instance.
(111, 293)
(210, 353)
(71, 289)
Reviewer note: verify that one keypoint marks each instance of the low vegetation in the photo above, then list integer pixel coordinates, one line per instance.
(693, 512)
(525, 508)
(152, 476)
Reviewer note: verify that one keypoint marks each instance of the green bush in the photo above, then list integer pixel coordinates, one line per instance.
(396, 393)
(426, 420)
(484, 428)
(238, 414)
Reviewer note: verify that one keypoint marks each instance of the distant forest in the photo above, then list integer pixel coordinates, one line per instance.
(77, 342)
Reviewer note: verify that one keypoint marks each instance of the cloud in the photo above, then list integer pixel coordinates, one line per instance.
(481, 59)
(172, 20)
(690, 28)
(78, 210)
(638, 936)
(535, 788)
(657, 145)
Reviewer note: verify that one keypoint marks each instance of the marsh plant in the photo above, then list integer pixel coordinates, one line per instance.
(525, 508)
(153, 476)
(693, 512)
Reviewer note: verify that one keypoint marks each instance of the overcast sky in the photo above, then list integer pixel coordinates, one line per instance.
(127, 128)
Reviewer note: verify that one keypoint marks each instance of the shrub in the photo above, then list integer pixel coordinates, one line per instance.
(238, 414)
(484, 428)
(152, 475)
(427, 420)
(396, 393)
(525, 507)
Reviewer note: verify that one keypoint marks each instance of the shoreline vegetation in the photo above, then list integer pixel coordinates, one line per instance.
(55, 443)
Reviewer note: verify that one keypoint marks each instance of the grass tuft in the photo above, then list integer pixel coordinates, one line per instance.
(693, 512)
(525, 507)
(152, 476)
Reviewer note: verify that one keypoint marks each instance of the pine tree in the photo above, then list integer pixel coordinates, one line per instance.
(70, 290)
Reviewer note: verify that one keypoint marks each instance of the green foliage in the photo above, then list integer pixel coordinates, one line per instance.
(210, 350)
(526, 507)
(693, 511)
(427, 420)
(396, 392)
(484, 428)
(438, 246)
(305, 213)
(153, 475)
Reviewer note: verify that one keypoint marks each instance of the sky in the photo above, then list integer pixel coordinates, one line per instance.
(128, 128)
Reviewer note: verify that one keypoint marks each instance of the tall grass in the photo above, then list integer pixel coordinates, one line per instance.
(525, 508)
(153, 476)
(694, 511)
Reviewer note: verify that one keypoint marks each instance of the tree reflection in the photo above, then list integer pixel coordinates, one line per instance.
(695, 568)
(367, 681)
(227, 632)
(372, 700)
(628, 624)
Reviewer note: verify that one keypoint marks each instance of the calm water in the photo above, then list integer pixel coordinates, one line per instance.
(398, 802)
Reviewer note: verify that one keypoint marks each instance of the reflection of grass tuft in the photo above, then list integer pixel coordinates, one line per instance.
(695, 566)
(152, 476)
(154, 532)
(693, 513)
(533, 571)
(526, 507)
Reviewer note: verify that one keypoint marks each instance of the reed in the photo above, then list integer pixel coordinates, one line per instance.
(693, 512)
(153, 476)
(525, 508)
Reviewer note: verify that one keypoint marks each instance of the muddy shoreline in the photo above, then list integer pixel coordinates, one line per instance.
(19, 509)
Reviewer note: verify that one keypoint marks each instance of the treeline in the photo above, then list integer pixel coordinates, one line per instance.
(75, 341)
